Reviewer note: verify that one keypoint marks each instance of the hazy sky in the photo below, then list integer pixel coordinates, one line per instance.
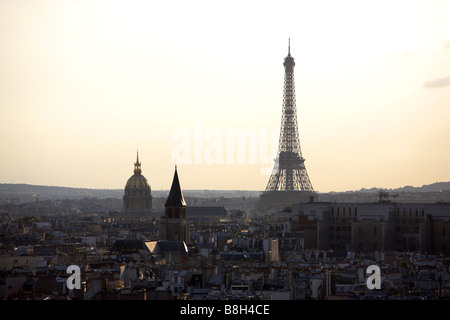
(84, 84)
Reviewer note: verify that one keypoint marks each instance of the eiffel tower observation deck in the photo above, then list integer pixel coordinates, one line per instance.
(289, 182)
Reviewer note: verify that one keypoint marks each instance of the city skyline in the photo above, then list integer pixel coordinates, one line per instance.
(85, 84)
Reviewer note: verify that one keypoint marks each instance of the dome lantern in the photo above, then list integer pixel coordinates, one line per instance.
(137, 165)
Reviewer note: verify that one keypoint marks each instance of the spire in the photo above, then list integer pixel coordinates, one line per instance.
(137, 165)
(289, 46)
(289, 62)
(175, 198)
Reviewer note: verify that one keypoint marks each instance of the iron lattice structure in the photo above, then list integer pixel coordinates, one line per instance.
(289, 172)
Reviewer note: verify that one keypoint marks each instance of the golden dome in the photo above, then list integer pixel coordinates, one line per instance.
(137, 198)
(137, 181)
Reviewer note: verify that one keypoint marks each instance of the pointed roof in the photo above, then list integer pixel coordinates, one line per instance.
(175, 198)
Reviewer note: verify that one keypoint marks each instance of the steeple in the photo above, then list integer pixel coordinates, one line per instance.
(137, 165)
(289, 46)
(175, 198)
(173, 225)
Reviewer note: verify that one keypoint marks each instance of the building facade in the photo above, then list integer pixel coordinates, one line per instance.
(371, 227)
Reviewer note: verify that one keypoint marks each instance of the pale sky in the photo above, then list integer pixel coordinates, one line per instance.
(84, 84)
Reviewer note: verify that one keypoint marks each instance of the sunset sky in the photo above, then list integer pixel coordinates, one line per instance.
(85, 84)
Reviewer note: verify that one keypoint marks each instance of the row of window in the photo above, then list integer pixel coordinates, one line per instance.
(349, 212)
(414, 229)
(341, 236)
(136, 193)
(341, 228)
(403, 212)
(348, 229)
(137, 205)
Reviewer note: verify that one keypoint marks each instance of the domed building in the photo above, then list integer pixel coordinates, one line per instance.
(138, 194)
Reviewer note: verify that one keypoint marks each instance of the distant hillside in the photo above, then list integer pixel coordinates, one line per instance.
(434, 187)
(25, 192)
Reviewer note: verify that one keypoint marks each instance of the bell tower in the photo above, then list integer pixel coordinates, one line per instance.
(173, 225)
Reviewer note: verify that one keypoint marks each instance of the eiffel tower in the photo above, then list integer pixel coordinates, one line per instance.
(289, 182)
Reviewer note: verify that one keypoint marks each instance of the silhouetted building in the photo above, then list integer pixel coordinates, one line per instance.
(206, 214)
(173, 225)
(371, 227)
(138, 194)
(127, 246)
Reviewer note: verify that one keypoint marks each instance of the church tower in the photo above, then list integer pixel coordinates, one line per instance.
(173, 225)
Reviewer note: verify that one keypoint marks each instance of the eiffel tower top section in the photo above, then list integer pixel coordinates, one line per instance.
(289, 173)
(289, 62)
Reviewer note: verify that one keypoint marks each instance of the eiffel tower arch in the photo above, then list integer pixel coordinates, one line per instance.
(289, 182)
